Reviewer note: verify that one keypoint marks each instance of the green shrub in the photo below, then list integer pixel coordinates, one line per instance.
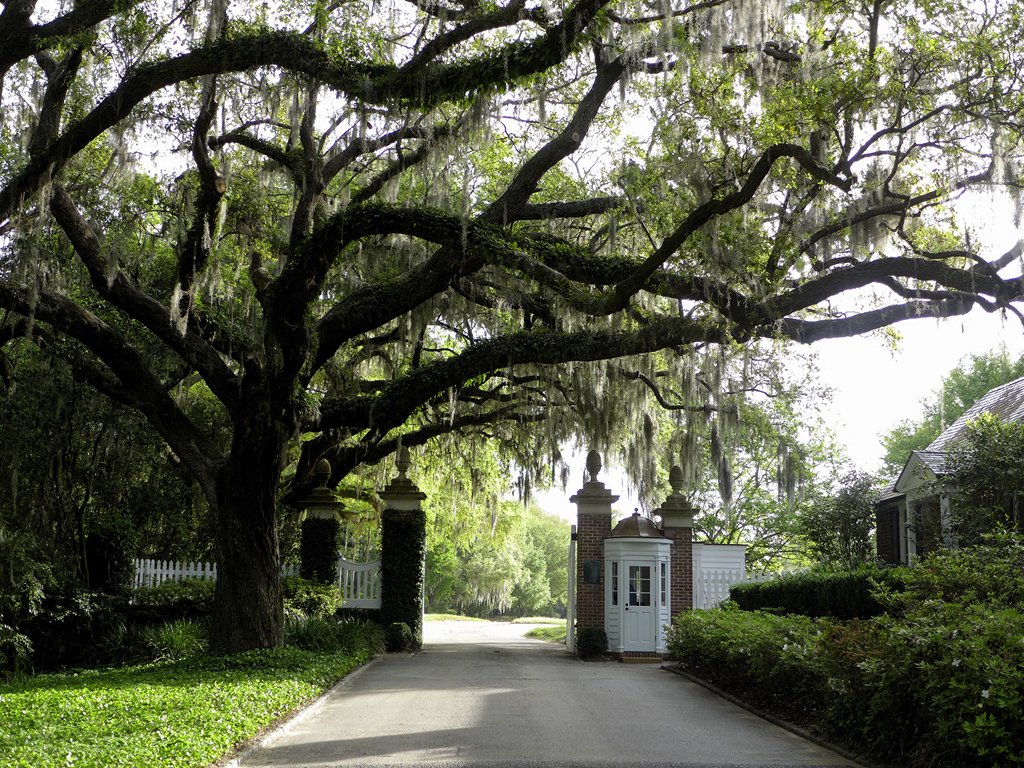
(991, 573)
(27, 575)
(15, 650)
(937, 684)
(360, 634)
(398, 637)
(821, 592)
(310, 598)
(176, 640)
(69, 629)
(947, 682)
(122, 643)
(591, 642)
(186, 598)
(766, 659)
(331, 635)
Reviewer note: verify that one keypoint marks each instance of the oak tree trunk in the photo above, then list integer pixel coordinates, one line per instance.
(247, 611)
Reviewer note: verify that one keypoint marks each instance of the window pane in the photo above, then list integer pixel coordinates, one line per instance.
(639, 585)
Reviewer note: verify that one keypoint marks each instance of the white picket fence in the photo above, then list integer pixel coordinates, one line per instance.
(711, 585)
(359, 582)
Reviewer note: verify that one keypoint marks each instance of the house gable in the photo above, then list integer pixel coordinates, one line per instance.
(921, 469)
(916, 494)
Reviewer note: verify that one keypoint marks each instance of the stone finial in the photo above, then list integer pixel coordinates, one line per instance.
(675, 478)
(676, 512)
(593, 490)
(322, 473)
(402, 493)
(321, 501)
(403, 462)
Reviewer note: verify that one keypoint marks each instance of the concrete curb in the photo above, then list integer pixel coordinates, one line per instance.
(857, 760)
(288, 722)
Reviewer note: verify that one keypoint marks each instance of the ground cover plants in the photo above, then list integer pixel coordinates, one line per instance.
(552, 633)
(171, 714)
(936, 680)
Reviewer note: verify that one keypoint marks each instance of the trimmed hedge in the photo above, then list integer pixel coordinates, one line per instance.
(820, 592)
(760, 657)
(935, 683)
(398, 637)
(591, 642)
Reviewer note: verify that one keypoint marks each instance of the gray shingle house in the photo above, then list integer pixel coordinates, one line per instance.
(912, 516)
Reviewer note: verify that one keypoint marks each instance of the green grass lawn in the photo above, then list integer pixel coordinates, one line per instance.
(554, 634)
(187, 713)
(449, 617)
(539, 620)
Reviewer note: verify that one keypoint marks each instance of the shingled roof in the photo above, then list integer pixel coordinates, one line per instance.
(1005, 402)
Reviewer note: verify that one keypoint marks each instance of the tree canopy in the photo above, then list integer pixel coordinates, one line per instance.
(340, 225)
(961, 388)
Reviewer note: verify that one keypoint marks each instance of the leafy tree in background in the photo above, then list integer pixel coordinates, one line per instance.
(838, 526)
(75, 463)
(754, 454)
(986, 472)
(345, 224)
(961, 388)
(485, 553)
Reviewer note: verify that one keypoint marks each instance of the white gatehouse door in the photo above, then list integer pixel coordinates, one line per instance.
(639, 613)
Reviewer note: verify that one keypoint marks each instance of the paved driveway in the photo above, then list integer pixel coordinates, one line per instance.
(482, 694)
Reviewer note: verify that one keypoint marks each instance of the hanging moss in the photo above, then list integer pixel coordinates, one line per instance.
(403, 547)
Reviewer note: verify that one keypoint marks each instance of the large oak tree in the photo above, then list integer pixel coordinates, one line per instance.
(351, 221)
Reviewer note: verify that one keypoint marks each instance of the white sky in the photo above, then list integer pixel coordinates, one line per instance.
(875, 387)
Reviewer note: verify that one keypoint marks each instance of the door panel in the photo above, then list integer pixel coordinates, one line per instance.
(638, 611)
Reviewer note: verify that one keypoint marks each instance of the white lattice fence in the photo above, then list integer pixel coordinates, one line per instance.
(711, 585)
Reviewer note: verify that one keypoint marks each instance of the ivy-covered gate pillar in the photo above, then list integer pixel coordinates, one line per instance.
(318, 546)
(403, 549)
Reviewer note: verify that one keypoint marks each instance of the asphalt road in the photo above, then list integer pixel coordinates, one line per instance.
(481, 694)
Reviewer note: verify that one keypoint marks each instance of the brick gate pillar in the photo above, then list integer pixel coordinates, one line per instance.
(677, 523)
(593, 523)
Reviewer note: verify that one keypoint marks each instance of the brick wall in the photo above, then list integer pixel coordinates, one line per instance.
(682, 568)
(591, 530)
